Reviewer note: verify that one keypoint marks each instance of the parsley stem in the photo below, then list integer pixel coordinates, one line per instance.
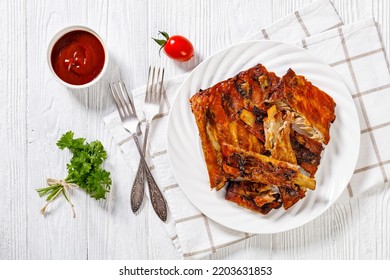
(50, 199)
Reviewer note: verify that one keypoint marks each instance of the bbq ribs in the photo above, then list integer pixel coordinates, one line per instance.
(262, 136)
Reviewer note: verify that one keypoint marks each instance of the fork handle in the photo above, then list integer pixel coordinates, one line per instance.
(138, 189)
(158, 202)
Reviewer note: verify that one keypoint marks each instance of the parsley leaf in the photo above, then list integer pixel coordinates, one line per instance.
(84, 170)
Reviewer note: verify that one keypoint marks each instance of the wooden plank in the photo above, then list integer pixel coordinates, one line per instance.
(53, 110)
(36, 110)
(115, 232)
(380, 12)
(381, 196)
(13, 186)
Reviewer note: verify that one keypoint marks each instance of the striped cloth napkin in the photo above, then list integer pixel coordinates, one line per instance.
(354, 51)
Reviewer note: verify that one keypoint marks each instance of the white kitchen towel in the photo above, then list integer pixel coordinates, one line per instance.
(354, 51)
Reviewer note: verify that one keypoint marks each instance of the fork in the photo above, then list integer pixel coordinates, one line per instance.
(125, 105)
(154, 88)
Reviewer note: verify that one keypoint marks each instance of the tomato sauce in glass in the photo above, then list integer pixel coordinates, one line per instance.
(78, 57)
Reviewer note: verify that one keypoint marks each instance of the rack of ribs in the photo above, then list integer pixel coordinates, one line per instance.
(262, 136)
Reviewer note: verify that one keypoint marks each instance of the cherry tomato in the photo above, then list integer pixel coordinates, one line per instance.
(176, 47)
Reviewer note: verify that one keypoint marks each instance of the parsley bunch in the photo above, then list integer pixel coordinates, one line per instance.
(84, 171)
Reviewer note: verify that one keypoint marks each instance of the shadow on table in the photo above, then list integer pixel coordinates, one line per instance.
(190, 64)
(97, 98)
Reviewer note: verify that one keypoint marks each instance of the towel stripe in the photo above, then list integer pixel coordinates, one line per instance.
(359, 94)
(362, 105)
(356, 57)
(302, 24)
(265, 34)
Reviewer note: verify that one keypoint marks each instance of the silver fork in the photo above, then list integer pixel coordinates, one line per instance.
(154, 88)
(130, 122)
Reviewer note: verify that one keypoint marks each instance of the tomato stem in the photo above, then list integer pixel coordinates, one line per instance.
(161, 42)
(165, 34)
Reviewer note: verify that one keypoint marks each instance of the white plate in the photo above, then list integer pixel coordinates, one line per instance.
(186, 155)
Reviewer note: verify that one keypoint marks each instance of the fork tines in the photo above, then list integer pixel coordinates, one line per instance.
(154, 85)
(123, 100)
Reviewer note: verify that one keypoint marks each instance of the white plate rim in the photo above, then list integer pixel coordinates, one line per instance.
(335, 195)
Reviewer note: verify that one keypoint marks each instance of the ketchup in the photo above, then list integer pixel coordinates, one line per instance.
(78, 57)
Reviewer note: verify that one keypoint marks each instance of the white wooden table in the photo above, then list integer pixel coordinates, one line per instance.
(35, 110)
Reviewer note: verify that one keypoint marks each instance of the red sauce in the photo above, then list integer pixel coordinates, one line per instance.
(78, 57)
